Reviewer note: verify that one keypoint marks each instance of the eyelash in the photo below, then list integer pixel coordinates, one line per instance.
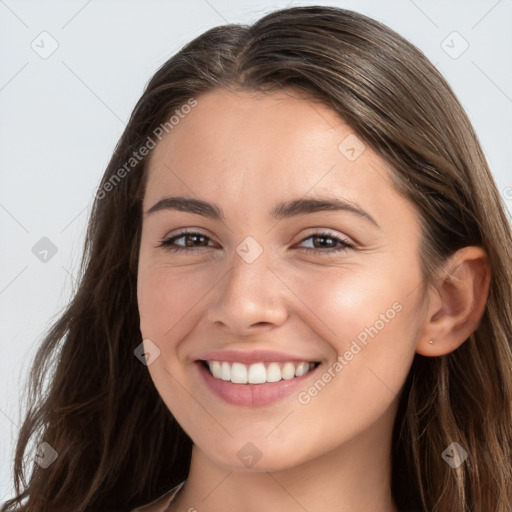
(167, 243)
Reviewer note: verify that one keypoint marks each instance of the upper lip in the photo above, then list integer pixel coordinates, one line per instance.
(251, 356)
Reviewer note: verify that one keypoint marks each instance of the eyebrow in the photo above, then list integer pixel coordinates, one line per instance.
(303, 206)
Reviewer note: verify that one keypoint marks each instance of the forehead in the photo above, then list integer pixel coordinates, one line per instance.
(249, 148)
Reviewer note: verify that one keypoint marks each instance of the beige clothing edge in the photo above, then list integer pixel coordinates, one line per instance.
(160, 504)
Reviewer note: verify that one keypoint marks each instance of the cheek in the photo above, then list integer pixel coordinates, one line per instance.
(167, 296)
(369, 320)
(347, 304)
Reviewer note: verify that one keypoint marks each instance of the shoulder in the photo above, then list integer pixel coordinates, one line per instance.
(161, 503)
(157, 505)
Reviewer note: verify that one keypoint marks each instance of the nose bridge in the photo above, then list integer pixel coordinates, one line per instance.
(249, 293)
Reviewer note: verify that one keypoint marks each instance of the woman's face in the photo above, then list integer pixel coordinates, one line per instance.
(275, 279)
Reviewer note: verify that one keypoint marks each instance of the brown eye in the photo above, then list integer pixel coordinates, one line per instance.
(192, 240)
(327, 243)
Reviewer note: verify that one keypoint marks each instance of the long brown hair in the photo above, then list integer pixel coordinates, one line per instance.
(118, 445)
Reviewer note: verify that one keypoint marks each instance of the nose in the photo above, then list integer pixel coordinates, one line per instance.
(249, 298)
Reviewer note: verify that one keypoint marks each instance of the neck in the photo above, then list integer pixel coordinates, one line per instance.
(352, 477)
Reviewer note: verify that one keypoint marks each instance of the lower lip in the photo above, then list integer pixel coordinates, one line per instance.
(252, 395)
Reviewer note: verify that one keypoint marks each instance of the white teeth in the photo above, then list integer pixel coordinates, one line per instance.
(288, 371)
(257, 373)
(238, 373)
(273, 372)
(226, 371)
(215, 369)
(301, 369)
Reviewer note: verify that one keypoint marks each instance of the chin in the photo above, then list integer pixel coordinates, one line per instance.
(256, 457)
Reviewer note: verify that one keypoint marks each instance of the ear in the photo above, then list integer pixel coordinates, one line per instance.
(456, 302)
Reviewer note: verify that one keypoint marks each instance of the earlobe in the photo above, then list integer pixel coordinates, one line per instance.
(461, 293)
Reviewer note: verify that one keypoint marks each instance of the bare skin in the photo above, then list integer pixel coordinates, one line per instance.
(246, 152)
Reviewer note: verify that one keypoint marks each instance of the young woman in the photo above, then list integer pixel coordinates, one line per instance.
(295, 294)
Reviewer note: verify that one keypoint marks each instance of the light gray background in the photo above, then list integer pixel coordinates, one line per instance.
(62, 115)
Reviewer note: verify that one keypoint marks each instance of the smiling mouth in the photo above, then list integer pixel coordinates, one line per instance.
(258, 373)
